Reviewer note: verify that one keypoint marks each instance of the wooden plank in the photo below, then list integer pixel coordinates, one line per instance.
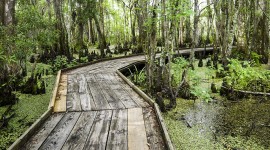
(99, 99)
(141, 102)
(36, 140)
(30, 131)
(98, 135)
(153, 132)
(79, 134)
(87, 101)
(73, 98)
(117, 139)
(57, 80)
(58, 136)
(60, 101)
(163, 127)
(136, 130)
(108, 93)
(122, 94)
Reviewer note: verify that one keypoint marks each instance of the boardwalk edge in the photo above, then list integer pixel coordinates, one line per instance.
(52, 101)
(35, 126)
(30, 131)
(156, 108)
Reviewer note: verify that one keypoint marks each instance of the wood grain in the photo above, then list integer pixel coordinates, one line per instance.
(122, 94)
(140, 101)
(136, 130)
(117, 139)
(99, 99)
(79, 133)
(108, 93)
(58, 136)
(60, 100)
(87, 101)
(35, 141)
(98, 135)
(73, 97)
(153, 132)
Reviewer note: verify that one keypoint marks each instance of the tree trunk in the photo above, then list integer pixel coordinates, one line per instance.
(9, 12)
(265, 34)
(2, 11)
(195, 31)
(226, 15)
(61, 47)
(188, 39)
(209, 23)
(91, 31)
(132, 26)
(80, 25)
(101, 16)
(141, 13)
(101, 37)
(152, 50)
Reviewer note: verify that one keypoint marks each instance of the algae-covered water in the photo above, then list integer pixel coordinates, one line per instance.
(221, 124)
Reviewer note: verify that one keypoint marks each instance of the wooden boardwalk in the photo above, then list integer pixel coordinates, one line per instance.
(95, 109)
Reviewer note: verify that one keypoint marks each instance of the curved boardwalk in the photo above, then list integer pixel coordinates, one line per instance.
(95, 109)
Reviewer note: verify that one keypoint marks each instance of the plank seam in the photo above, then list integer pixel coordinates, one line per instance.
(30, 131)
(106, 81)
(88, 136)
(51, 131)
(110, 94)
(113, 111)
(153, 104)
(91, 95)
(128, 92)
(71, 130)
(98, 84)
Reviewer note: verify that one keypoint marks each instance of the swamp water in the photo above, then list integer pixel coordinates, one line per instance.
(221, 124)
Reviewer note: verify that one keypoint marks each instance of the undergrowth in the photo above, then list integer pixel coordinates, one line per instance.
(27, 110)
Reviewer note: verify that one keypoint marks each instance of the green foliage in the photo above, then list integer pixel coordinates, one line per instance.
(255, 58)
(218, 126)
(140, 76)
(248, 78)
(34, 30)
(194, 79)
(28, 109)
(59, 63)
(201, 93)
(178, 66)
(84, 59)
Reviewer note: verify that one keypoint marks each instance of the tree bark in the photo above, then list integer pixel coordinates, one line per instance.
(141, 14)
(101, 37)
(9, 12)
(195, 31)
(152, 49)
(2, 10)
(91, 31)
(61, 47)
(132, 26)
